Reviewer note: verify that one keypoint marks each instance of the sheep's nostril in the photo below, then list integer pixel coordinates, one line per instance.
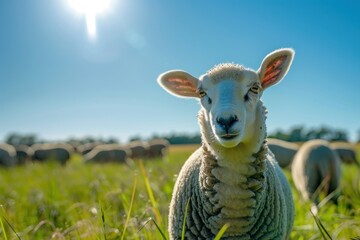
(226, 123)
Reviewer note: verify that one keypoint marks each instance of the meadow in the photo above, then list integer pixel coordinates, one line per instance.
(112, 201)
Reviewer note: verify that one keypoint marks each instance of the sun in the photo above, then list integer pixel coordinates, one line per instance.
(90, 8)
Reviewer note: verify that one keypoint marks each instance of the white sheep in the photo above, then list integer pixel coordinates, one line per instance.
(7, 155)
(284, 151)
(60, 152)
(232, 178)
(24, 154)
(108, 153)
(346, 152)
(316, 167)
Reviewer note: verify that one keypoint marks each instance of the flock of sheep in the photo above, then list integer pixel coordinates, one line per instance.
(92, 153)
(233, 179)
(315, 165)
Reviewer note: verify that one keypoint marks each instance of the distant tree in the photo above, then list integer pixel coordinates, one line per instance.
(297, 134)
(279, 134)
(112, 140)
(135, 138)
(21, 139)
(300, 134)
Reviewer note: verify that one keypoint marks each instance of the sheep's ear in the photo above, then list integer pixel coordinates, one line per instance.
(179, 83)
(275, 66)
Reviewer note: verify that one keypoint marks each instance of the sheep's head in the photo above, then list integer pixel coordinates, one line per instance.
(229, 94)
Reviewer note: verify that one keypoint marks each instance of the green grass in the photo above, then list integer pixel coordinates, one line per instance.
(44, 201)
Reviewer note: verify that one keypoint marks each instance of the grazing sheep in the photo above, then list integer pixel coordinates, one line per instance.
(138, 149)
(106, 153)
(7, 155)
(284, 151)
(24, 154)
(85, 148)
(232, 178)
(346, 152)
(316, 165)
(157, 148)
(52, 151)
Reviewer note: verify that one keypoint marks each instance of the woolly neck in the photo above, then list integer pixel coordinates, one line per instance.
(233, 180)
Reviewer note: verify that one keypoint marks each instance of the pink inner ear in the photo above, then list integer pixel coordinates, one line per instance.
(273, 70)
(181, 85)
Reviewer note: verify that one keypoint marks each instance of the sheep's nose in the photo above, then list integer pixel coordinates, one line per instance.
(226, 123)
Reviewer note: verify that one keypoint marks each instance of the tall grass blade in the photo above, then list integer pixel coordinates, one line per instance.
(325, 234)
(222, 231)
(157, 226)
(130, 208)
(3, 228)
(151, 194)
(12, 228)
(103, 220)
(184, 220)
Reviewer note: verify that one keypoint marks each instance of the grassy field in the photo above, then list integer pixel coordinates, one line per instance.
(47, 201)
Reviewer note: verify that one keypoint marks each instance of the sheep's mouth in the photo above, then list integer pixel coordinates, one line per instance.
(229, 136)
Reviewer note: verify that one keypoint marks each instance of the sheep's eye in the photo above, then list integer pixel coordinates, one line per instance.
(255, 89)
(202, 93)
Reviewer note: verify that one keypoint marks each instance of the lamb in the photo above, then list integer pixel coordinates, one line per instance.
(346, 152)
(284, 151)
(106, 153)
(52, 151)
(316, 165)
(232, 178)
(7, 155)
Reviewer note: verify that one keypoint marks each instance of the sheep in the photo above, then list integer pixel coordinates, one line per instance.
(85, 148)
(316, 167)
(157, 148)
(346, 152)
(7, 155)
(232, 178)
(284, 151)
(106, 153)
(24, 154)
(52, 151)
(138, 149)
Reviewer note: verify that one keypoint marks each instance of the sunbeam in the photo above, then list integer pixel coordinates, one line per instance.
(90, 8)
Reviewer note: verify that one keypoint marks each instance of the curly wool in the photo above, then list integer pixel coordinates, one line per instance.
(255, 199)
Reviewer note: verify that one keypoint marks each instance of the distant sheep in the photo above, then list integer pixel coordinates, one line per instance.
(138, 149)
(316, 164)
(107, 153)
(24, 154)
(7, 155)
(157, 148)
(346, 152)
(232, 178)
(85, 148)
(51, 151)
(284, 151)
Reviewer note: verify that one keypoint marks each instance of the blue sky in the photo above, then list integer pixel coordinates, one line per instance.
(57, 82)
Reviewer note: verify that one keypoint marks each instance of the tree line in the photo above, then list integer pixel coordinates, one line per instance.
(295, 134)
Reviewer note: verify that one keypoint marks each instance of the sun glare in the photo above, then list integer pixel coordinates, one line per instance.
(90, 8)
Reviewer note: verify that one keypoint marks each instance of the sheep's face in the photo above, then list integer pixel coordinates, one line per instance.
(229, 94)
(229, 104)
